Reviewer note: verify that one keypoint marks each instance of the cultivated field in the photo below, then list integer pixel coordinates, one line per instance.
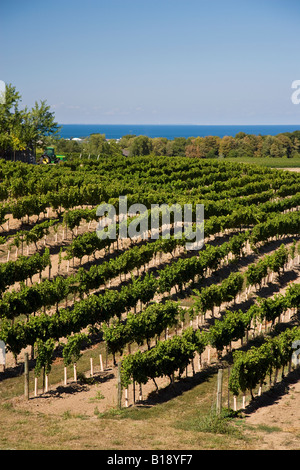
(147, 323)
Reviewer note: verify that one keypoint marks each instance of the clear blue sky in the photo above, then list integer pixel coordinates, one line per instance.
(154, 61)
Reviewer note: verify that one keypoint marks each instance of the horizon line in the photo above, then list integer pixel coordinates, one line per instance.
(165, 124)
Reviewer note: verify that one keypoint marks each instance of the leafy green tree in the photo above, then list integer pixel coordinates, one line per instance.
(159, 145)
(39, 124)
(10, 121)
(141, 145)
(227, 144)
(24, 128)
(64, 146)
(126, 141)
(94, 144)
(178, 148)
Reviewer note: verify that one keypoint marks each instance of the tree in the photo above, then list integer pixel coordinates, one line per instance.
(286, 144)
(64, 146)
(178, 147)
(227, 143)
(39, 124)
(140, 146)
(246, 145)
(94, 144)
(203, 147)
(24, 128)
(17, 141)
(10, 121)
(159, 145)
(296, 147)
(126, 141)
(194, 150)
(277, 150)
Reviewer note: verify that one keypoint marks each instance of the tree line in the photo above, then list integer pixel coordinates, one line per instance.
(22, 128)
(241, 146)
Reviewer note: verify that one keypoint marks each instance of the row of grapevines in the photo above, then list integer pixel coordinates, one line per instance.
(162, 360)
(250, 368)
(174, 354)
(33, 298)
(230, 328)
(23, 268)
(234, 323)
(142, 326)
(96, 309)
(102, 308)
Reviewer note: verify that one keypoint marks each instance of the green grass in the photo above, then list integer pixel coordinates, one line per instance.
(268, 429)
(269, 162)
(211, 423)
(179, 417)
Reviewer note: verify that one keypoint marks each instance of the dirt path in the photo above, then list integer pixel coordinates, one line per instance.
(297, 170)
(276, 420)
(79, 399)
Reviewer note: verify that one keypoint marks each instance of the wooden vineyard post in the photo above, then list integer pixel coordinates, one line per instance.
(92, 368)
(101, 363)
(199, 363)
(119, 386)
(2, 356)
(208, 355)
(219, 391)
(26, 376)
(65, 376)
(234, 403)
(244, 401)
(228, 392)
(260, 389)
(106, 354)
(75, 372)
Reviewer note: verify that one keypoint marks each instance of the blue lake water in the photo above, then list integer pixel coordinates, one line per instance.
(170, 131)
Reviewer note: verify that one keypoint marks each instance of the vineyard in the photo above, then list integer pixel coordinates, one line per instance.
(148, 312)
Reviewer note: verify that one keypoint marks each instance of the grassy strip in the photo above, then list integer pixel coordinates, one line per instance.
(283, 162)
